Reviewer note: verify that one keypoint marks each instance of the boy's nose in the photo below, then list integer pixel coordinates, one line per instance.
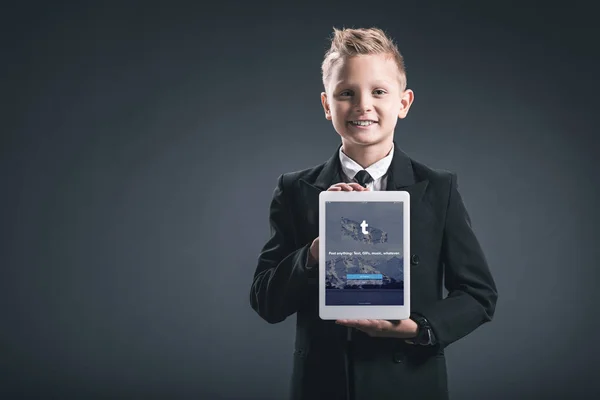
(363, 104)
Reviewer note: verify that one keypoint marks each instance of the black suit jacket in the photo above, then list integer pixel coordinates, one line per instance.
(444, 250)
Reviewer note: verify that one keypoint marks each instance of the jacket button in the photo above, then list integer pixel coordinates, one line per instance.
(414, 260)
(398, 358)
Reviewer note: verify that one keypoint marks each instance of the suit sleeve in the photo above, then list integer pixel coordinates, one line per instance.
(472, 293)
(281, 279)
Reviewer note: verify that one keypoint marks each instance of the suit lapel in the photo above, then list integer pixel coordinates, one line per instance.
(329, 175)
(401, 176)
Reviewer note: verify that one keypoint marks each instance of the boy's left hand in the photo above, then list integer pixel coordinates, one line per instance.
(403, 329)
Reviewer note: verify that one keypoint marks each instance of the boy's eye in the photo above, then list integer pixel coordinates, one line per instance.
(378, 92)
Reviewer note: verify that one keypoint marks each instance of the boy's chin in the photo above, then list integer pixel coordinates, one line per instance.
(363, 139)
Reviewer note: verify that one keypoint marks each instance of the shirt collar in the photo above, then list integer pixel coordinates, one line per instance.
(376, 170)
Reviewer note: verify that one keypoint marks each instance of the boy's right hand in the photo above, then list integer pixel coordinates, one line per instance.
(347, 187)
(313, 254)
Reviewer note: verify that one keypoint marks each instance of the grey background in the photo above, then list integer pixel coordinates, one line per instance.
(141, 145)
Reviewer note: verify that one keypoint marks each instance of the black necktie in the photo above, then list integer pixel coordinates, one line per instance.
(363, 177)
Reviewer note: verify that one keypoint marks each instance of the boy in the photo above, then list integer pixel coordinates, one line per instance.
(365, 94)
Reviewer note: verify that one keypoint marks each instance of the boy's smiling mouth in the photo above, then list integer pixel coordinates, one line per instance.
(363, 122)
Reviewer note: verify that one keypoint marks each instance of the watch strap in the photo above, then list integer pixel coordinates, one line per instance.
(425, 335)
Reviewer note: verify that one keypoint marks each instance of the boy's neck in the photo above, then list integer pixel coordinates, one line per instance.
(365, 156)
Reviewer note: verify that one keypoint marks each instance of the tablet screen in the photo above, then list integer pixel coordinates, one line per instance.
(364, 253)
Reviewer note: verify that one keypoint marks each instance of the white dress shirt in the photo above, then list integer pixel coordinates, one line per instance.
(377, 170)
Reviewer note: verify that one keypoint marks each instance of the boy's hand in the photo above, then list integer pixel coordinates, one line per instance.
(313, 254)
(403, 329)
(347, 187)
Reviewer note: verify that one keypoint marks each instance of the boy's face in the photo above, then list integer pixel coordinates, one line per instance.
(363, 99)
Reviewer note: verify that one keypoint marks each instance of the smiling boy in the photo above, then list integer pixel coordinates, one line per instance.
(365, 94)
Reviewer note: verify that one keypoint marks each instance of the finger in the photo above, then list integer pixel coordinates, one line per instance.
(375, 325)
(359, 324)
(334, 189)
(346, 322)
(346, 187)
(357, 186)
(349, 187)
(382, 324)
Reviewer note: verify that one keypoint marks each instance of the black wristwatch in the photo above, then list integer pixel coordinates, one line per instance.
(425, 336)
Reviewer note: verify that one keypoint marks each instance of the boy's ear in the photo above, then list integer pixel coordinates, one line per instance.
(407, 99)
(325, 105)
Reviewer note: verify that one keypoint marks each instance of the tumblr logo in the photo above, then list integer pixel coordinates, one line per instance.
(364, 225)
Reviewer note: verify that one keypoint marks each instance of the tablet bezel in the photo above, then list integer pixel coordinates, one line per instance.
(364, 311)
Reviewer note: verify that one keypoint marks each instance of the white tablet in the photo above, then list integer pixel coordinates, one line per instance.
(364, 248)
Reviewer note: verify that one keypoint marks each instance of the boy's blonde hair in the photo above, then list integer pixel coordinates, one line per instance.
(361, 41)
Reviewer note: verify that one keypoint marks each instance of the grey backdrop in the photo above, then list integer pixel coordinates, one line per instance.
(141, 145)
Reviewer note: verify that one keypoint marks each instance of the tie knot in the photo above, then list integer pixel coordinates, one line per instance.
(363, 177)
